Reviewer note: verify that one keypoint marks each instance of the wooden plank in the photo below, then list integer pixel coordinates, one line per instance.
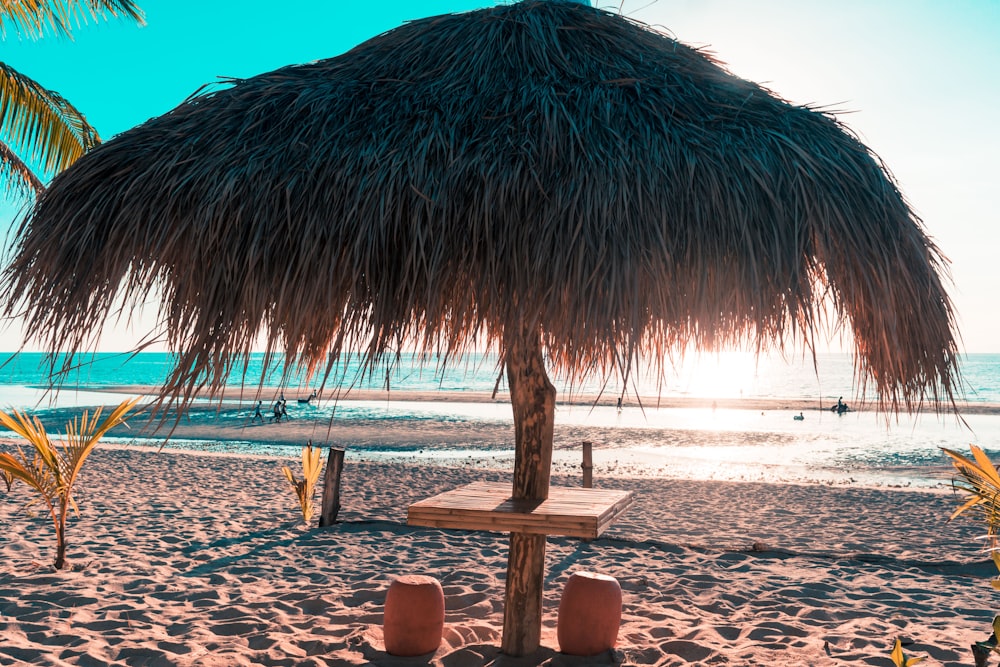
(569, 511)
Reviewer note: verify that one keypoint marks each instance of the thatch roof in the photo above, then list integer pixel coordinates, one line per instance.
(542, 165)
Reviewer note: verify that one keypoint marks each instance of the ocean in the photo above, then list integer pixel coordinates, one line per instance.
(728, 442)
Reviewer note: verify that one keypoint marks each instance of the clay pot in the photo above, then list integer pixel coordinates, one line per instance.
(589, 614)
(414, 615)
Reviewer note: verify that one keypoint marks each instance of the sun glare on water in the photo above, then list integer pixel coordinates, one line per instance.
(725, 375)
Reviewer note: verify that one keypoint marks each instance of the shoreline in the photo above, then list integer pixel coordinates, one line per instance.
(686, 440)
(243, 395)
(616, 453)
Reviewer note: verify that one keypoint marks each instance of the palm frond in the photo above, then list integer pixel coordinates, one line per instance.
(30, 471)
(40, 124)
(980, 481)
(899, 658)
(41, 472)
(21, 182)
(311, 464)
(36, 18)
(83, 436)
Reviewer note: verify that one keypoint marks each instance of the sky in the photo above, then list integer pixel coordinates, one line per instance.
(917, 80)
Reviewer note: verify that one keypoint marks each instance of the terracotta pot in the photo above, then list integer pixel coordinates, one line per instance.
(414, 615)
(589, 614)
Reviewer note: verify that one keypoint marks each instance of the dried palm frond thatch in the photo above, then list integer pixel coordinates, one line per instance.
(543, 164)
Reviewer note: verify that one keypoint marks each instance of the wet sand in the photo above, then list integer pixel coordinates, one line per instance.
(248, 396)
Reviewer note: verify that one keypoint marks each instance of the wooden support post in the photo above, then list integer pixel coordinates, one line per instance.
(331, 487)
(533, 401)
(588, 465)
(522, 609)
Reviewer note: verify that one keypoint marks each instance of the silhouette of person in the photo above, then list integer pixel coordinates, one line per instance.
(257, 414)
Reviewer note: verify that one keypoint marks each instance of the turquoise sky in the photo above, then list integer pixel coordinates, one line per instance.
(920, 79)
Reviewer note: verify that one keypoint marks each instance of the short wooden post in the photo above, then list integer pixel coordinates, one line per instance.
(588, 465)
(981, 655)
(331, 487)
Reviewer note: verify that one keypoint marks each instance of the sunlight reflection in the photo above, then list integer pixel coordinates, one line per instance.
(726, 375)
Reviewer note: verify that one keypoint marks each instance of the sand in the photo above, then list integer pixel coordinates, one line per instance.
(182, 558)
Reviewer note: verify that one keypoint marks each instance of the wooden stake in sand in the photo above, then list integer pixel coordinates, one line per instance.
(331, 487)
(588, 465)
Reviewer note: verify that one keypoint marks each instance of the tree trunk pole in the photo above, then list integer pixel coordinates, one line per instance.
(533, 400)
(331, 488)
(61, 541)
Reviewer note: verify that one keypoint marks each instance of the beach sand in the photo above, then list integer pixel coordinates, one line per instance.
(200, 558)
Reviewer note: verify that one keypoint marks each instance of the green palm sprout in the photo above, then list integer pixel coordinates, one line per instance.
(899, 658)
(310, 475)
(53, 470)
(980, 481)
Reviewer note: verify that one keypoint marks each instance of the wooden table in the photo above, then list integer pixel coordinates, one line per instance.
(570, 511)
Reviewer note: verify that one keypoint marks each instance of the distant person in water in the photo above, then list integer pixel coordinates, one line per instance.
(619, 404)
(799, 417)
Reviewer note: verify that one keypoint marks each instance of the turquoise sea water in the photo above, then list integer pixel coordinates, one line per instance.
(728, 375)
(723, 443)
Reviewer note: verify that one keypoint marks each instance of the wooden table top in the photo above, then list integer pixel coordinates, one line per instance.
(570, 511)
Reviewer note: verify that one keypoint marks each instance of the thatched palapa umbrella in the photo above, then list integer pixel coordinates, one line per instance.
(559, 183)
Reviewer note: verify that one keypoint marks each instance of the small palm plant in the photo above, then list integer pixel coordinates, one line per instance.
(310, 475)
(899, 658)
(980, 481)
(52, 471)
(7, 478)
